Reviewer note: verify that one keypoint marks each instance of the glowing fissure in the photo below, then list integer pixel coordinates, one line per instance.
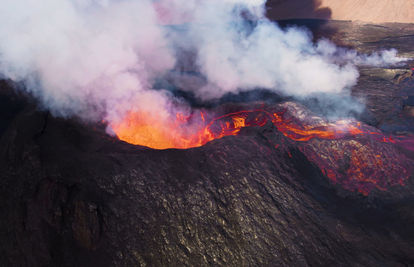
(340, 144)
(147, 130)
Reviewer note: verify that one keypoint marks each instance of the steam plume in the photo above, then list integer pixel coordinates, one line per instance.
(98, 58)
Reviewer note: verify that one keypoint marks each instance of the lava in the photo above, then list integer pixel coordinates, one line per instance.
(147, 129)
(348, 152)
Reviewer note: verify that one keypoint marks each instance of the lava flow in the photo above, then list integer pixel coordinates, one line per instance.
(348, 152)
(147, 129)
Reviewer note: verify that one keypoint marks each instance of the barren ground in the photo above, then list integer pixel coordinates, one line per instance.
(376, 11)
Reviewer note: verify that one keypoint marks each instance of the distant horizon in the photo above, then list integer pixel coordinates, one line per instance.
(373, 11)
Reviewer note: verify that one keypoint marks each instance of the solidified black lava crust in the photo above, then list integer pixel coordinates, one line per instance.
(72, 196)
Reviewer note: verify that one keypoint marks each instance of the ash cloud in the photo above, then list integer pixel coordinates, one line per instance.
(99, 58)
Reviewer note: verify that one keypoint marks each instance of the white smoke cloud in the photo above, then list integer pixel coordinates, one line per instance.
(97, 58)
(235, 59)
(269, 58)
(332, 53)
(81, 55)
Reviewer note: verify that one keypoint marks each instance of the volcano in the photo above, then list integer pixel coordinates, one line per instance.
(241, 183)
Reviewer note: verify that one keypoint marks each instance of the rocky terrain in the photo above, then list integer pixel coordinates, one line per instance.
(73, 196)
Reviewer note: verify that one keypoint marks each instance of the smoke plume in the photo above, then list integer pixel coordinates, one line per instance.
(99, 58)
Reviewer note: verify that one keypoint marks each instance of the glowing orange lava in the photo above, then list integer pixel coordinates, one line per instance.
(368, 166)
(147, 129)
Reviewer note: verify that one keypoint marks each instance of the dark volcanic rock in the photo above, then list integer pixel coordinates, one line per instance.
(72, 196)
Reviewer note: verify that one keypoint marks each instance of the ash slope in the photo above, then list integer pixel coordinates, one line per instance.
(71, 196)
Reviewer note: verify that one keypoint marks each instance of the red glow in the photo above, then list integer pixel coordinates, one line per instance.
(369, 166)
(147, 130)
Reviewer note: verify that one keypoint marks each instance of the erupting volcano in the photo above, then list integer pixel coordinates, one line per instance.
(203, 133)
